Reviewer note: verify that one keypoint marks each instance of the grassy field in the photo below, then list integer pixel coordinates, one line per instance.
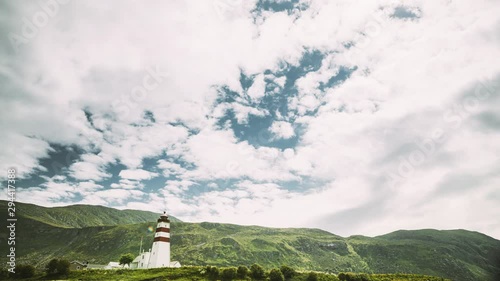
(198, 274)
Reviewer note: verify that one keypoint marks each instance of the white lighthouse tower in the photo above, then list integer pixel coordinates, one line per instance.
(160, 253)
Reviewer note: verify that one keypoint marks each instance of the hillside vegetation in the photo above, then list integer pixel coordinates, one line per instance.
(190, 273)
(99, 238)
(77, 216)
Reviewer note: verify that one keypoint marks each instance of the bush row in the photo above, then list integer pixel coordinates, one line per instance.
(56, 267)
(257, 273)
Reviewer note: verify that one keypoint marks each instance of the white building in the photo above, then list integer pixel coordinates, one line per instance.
(115, 265)
(159, 255)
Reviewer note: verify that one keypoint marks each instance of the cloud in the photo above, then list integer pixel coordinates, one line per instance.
(258, 88)
(282, 130)
(91, 168)
(227, 158)
(170, 168)
(351, 93)
(112, 197)
(24, 154)
(138, 174)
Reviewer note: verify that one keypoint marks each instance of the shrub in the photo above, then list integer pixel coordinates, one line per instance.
(312, 276)
(364, 277)
(57, 267)
(228, 274)
(51, 267)
(63, 267)
(4, 274)
(287, 271)
(126, 259)
(212, 273)
(257, 273)
(24, 271)
(276, 275)
(354, 277)
(242, 272)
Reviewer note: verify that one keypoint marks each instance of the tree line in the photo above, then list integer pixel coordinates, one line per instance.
(55, 268)
(257, 273)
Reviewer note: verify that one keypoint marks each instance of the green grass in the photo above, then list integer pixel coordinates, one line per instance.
(194, 273)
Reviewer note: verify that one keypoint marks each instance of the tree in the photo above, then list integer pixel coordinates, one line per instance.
(212, 273)
(312, 276)
(228, 274)
(126, 259)
(276, 275)
(25, 271)
(257, 273)
(51, 268)
(287, 271)
(242, 272)
(63, 267)
(4, 274)
(57, 267)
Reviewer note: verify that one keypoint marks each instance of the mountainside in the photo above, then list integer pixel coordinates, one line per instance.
(81, 215)
(103, 235)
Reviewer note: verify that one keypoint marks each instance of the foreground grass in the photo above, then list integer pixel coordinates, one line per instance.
(196, 273)
(157, 274)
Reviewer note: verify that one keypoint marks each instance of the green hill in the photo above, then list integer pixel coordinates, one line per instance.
(81, 215)
(45, 233)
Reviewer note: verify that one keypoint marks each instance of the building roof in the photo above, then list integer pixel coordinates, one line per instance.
(79, 262)
(95, 266)
(163, 217)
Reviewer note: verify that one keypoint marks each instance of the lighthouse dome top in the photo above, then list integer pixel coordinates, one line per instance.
(163, 218)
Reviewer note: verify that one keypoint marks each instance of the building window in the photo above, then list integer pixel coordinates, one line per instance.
(77, 267)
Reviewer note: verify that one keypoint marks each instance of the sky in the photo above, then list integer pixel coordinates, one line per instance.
(353, 117)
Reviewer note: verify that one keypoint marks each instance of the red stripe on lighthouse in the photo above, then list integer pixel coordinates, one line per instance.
(163, 229)
(162, 239)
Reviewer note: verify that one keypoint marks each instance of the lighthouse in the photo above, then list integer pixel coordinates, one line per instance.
(160, 252)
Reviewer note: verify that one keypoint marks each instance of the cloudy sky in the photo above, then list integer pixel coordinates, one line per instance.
(356, 118)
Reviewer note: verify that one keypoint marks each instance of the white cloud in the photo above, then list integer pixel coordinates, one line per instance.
(87, 186)
(409, 73)
(112, 196)
(241, 112)
(90, 168)
(24, 154)
(138, 174)
(227, 158)
(282, 130)
(212, 185)
(170, 168)
(258, 88)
